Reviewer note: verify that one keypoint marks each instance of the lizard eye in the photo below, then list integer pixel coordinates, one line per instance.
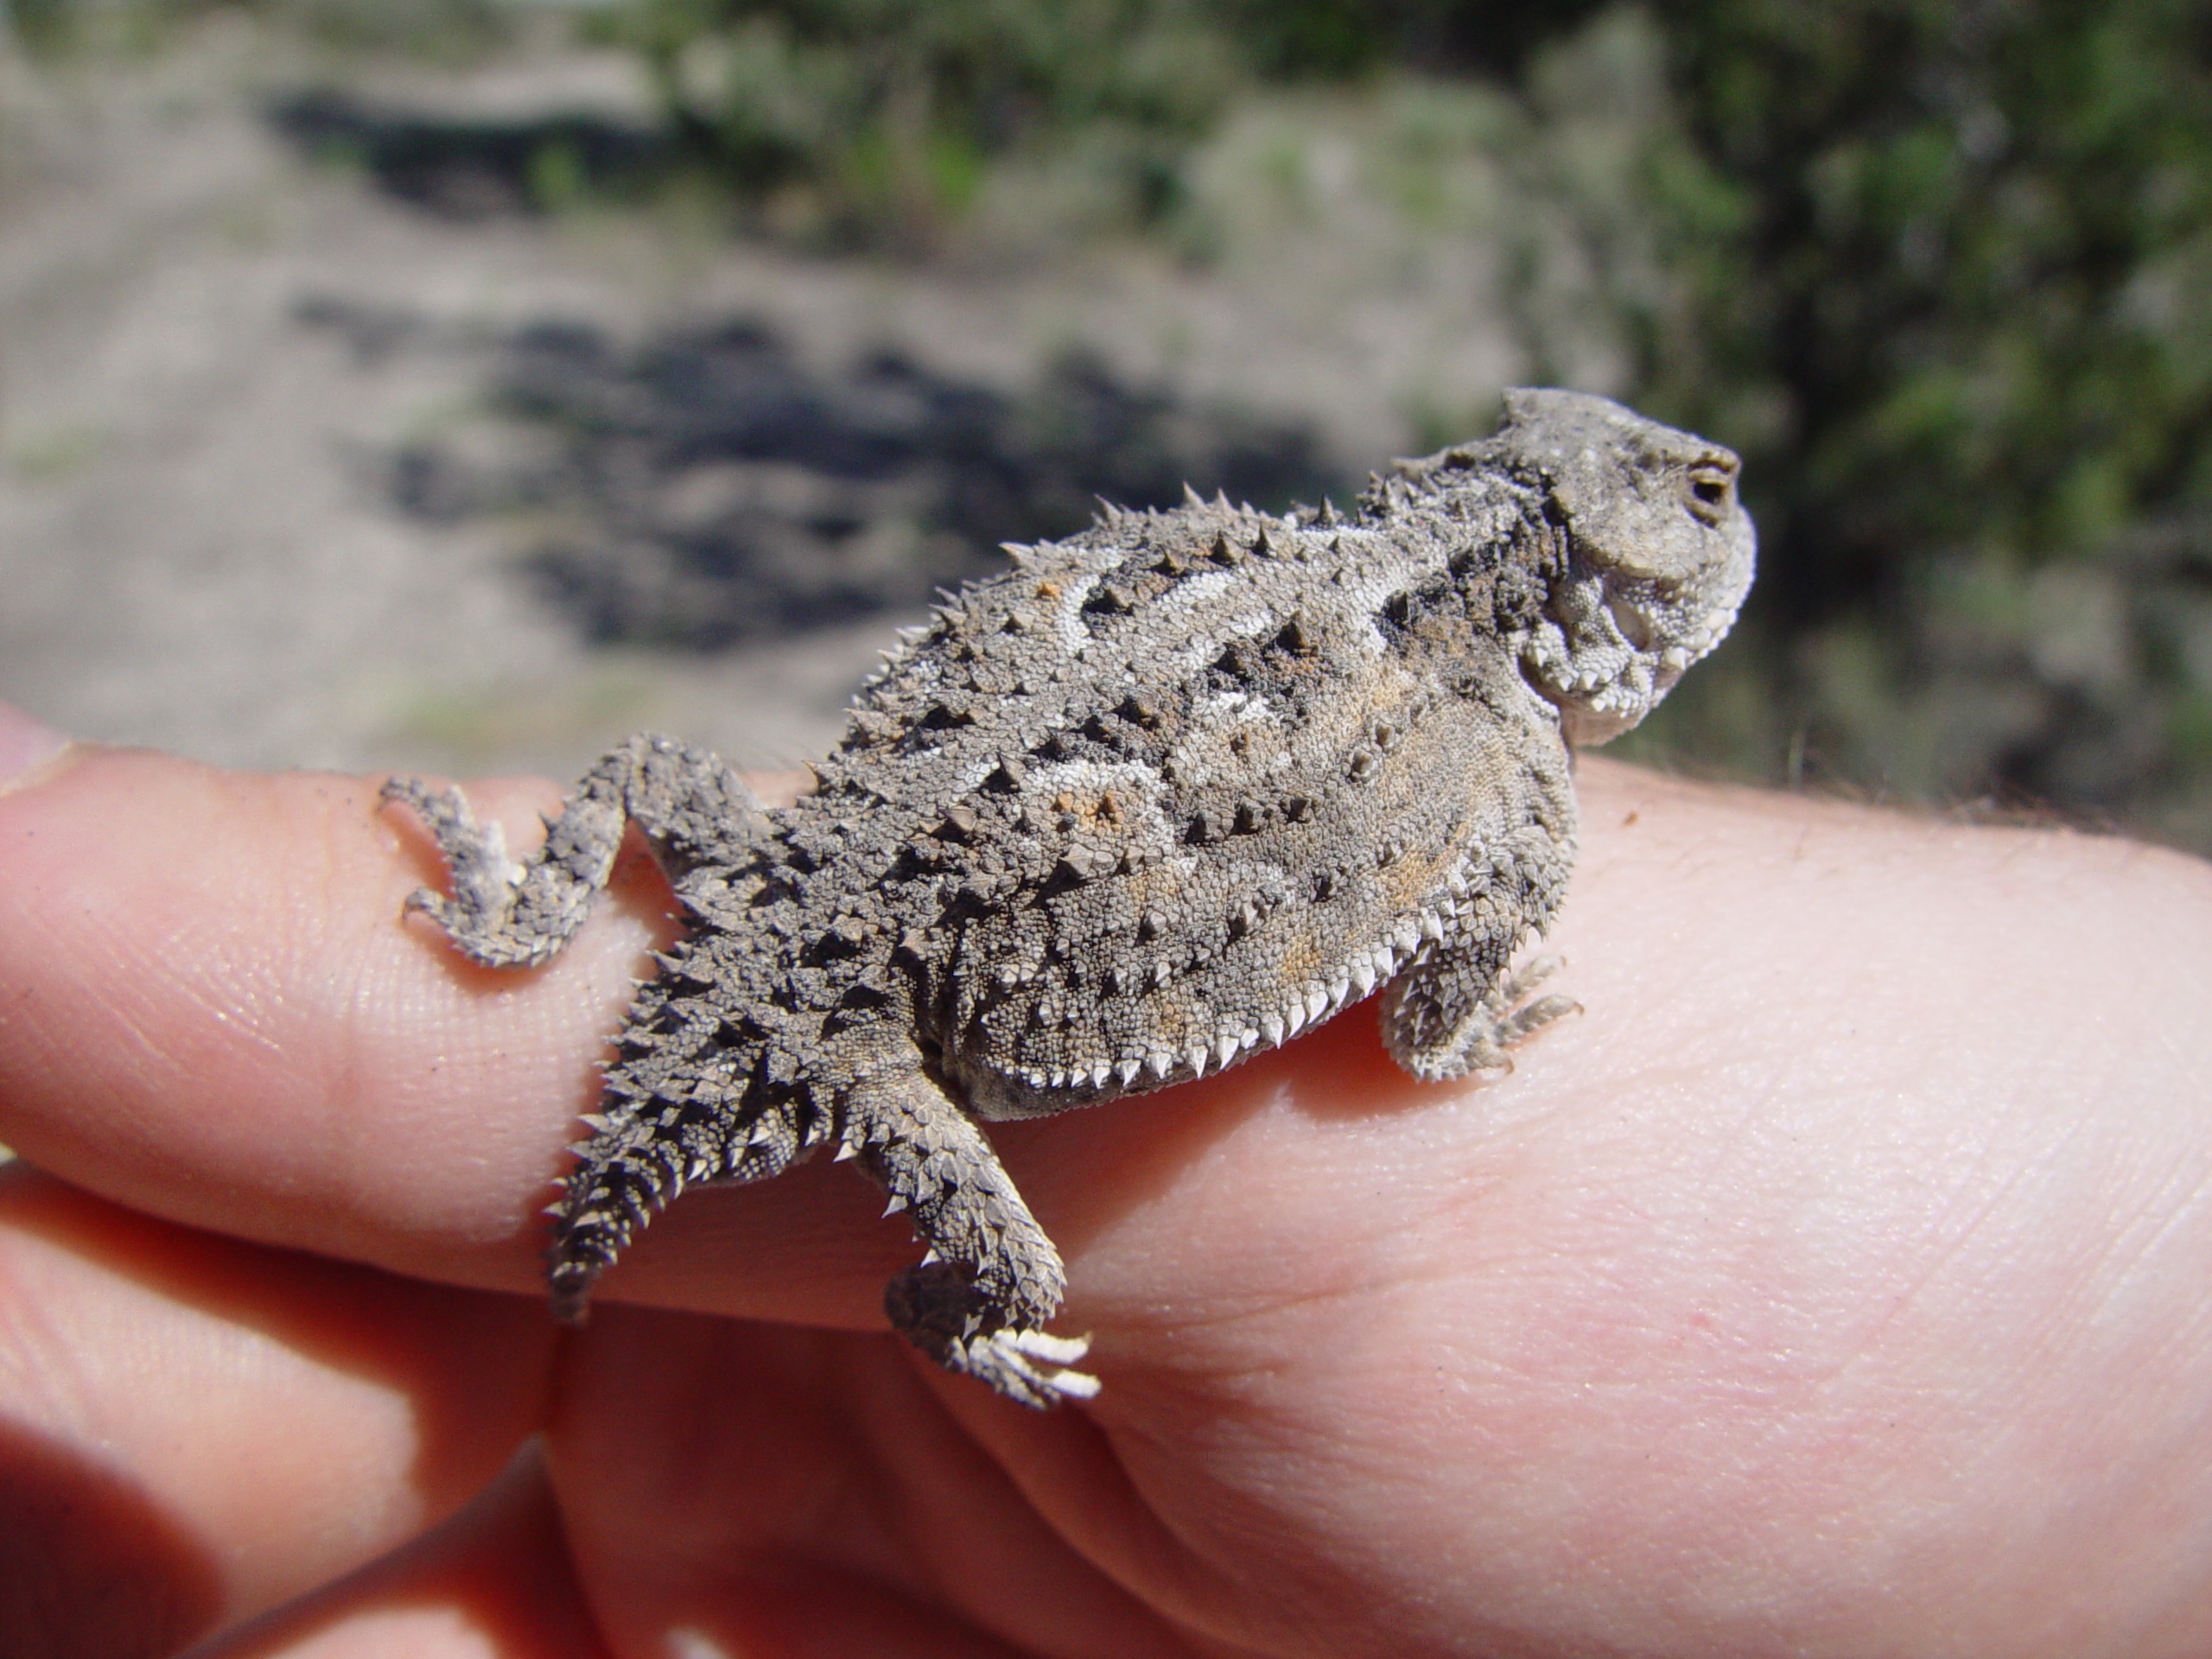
(1706, 493)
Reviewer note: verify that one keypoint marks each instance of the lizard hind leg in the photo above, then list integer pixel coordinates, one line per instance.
(693, 809)
(978, 1302)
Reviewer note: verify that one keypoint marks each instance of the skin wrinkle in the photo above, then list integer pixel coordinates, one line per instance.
(1093, 1616)
(1967, 1209)
(1347, 1290)
(491, 1581)
(1902, 1299)
(1134, 1543)
(855, 1496)
(2135, 1256)
(870, 1491)
(1206, 1547)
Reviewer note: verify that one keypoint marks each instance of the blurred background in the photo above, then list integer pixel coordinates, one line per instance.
(464, 383)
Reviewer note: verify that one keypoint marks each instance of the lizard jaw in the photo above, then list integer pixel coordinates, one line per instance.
(1610, 647)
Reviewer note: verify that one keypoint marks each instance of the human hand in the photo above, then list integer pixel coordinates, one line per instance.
(1834, 1284)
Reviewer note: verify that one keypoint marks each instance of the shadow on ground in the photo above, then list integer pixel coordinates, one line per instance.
(705, 488)
(470, 169)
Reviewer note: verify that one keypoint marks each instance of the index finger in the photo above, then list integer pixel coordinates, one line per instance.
(211, 1010)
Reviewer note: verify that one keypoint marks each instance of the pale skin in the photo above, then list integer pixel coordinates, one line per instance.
(1834, 1284)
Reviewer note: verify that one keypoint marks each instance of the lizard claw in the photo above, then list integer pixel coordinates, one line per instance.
(1030, 1366)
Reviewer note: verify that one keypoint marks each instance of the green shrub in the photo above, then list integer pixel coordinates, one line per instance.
(1947, 270)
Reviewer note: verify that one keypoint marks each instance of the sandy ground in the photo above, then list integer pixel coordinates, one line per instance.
(202, 545)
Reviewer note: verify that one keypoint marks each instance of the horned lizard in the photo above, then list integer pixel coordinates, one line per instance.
(1159, 796)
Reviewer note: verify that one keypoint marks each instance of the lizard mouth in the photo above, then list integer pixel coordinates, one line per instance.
(1606, 648)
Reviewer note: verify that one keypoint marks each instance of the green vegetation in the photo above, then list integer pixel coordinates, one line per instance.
(1943, 272)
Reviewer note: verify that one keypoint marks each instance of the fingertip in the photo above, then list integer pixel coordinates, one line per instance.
(27, 743)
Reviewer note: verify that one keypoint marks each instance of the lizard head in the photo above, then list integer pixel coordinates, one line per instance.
(1659, 554)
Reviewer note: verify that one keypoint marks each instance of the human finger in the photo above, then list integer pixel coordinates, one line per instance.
(194, 1429)
(212, 1010)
